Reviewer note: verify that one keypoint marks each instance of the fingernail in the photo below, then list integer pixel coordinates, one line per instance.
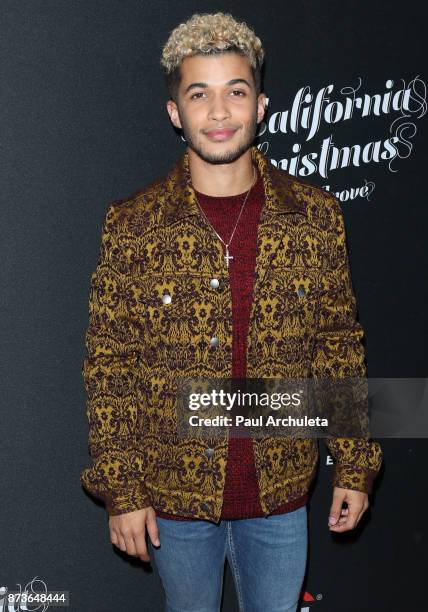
(157, 542)
(332, 520)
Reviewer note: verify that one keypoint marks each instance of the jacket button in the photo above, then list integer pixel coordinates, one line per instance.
(209, 452)
(166, 298)
(205, 507)
(214, 341)
(301, 291)
(214, 283)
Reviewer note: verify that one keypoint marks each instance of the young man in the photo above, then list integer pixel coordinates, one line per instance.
(227, 267)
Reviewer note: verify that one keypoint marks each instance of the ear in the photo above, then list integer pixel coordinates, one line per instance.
(261, 107)
(172, 109)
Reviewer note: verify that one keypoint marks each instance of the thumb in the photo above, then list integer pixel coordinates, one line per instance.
(152, 530)
(335, 510)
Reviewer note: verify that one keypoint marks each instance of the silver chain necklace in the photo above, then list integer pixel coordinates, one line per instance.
(227, 256)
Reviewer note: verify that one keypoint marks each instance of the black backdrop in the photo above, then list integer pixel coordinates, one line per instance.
(84, 123)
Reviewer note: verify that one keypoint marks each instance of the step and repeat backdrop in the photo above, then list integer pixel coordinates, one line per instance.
(84, 123)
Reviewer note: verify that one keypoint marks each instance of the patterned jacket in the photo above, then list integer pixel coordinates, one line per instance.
(153, 315)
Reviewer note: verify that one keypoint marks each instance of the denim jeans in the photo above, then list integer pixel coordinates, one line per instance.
(267, 557)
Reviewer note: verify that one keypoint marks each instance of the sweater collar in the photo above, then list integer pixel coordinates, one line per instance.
(179, 198)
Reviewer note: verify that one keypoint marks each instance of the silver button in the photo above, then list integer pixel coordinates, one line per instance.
(166, 298)
(214, 341)
(209, 452)
(205, 507)
(301, 291)
(214, 282)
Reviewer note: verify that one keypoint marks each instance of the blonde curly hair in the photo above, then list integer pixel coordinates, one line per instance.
(206, 33)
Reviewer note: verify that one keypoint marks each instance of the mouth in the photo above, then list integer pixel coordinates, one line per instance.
(221, 134)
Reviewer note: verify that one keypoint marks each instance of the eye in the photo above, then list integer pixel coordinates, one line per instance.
(199, 93)
(238, 91)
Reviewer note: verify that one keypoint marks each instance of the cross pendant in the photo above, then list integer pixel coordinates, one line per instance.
(227, 256)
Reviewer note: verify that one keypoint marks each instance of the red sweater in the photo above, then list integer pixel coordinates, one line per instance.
(241, 492)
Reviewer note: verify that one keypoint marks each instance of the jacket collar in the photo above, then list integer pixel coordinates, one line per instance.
(179, 198)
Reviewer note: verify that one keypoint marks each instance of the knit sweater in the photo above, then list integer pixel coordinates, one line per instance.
(241, 493)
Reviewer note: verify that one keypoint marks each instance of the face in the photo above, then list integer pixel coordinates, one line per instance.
(217, 106)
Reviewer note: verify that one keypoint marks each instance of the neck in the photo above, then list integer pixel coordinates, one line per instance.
(221, 180)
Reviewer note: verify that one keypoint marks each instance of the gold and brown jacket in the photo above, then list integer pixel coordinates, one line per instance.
(302, 325)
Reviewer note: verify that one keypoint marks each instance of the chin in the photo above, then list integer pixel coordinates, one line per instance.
(222, 154)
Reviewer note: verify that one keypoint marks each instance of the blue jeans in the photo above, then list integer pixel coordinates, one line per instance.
(267, 557)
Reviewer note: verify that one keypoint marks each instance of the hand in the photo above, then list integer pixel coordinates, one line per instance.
(344, 519)
(127, 531)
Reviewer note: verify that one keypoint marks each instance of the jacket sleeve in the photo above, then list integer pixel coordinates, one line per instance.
(110, 373)
(338, 352)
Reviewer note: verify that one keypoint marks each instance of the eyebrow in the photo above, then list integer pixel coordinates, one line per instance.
(205, 85)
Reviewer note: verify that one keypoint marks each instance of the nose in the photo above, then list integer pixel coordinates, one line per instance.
(219, 109)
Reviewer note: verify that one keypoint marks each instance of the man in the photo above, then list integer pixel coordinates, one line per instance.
(227, 267)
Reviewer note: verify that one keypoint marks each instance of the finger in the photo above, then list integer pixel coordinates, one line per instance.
(364, 508)
(122, 544)
(339, 527)
(113, 537)
(343, 515)
(342, 519)
(130, 544)
(141, 546)
(152, 530)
